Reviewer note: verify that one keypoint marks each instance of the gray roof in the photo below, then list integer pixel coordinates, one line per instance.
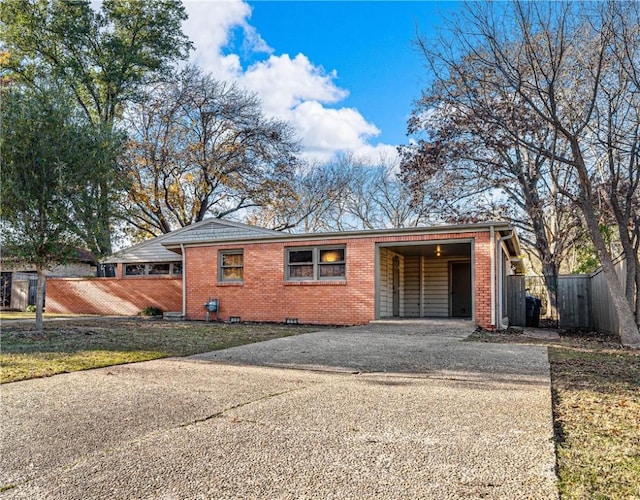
(166, 248)
(236, 232)
(154, 250)
(215, 230)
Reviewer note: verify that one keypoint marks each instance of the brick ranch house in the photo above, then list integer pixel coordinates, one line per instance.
(341, 278)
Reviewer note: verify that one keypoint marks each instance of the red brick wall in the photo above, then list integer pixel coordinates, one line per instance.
(264, 294)
(116, 296)
(482, 290)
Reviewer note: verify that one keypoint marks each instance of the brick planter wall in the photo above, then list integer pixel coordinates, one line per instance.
(113, 296)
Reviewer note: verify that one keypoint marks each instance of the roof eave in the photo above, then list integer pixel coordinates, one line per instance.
(117, 257)
(460, 228)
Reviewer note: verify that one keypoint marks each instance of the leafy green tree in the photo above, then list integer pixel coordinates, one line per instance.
(45, 147)
(104, 58)
(586, 258)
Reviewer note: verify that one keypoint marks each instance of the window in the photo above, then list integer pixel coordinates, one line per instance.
(318, 263)
(134, 269)
(176, 268)
(301, 264)
(331, 263)
(108, 270)
(155, 269)
(231, 265)
(159, 268)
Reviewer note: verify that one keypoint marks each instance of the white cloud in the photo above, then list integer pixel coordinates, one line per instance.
(292, 89)
(331, 128)
(284, 83)
(325, 131)
(210, 25)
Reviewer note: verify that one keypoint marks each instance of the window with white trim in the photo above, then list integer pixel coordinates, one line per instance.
(231, 266)
(315, 263)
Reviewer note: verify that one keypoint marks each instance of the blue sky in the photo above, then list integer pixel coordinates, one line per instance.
(343, 73)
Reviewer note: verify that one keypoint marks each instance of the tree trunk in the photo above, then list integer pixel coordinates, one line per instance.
(40, 287)
(627, 328)
(550, 274)
(630, 254)
(548, 259)
(637, 297)
(631, 292)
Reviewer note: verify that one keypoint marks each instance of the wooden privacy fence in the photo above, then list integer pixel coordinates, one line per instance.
(603, 315)
(581, 300)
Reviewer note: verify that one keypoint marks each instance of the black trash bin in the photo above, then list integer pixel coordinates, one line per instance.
(533, 305)
(530, 305)
(537, 305)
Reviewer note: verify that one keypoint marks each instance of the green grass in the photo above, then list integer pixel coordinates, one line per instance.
(92, 343)
(8, 315)
(596, 407)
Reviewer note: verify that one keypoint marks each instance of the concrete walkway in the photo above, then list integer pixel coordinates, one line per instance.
(390, 410)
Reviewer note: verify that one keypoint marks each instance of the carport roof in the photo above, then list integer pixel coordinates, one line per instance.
(431, 249)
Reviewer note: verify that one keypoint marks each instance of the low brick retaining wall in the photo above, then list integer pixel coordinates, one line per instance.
(116, 296)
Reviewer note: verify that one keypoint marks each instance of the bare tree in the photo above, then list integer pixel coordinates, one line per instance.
(318, 193)
(616, 129)
(202, 147)
(558, 63)
(377, 199)
(467, 138)
(347, 193)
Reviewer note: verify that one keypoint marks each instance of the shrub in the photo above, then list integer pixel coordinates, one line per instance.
(31, 308)
(151, 311)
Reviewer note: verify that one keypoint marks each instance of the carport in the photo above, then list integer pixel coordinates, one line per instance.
(423, 280)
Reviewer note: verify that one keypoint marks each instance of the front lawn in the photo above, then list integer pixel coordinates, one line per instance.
(595, 385)
(81, 344)
(7, 315)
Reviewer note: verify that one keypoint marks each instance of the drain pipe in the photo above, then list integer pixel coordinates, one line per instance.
(184, 282)
(492, 232)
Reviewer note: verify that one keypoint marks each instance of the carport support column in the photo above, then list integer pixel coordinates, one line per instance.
(493, 274)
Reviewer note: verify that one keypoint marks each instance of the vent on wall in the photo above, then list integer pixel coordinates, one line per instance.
(234, 319)
(291, 321)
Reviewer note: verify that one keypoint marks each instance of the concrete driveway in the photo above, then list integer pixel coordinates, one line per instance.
(389, 410)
